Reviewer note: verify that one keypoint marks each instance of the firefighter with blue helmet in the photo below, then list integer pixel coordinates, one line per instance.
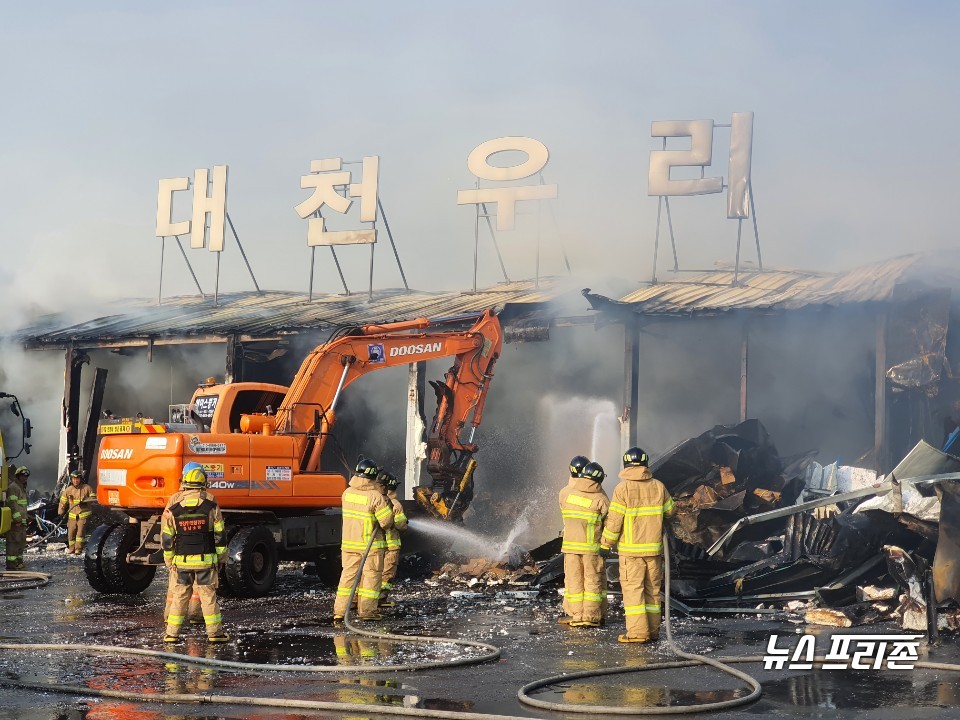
(194, 544)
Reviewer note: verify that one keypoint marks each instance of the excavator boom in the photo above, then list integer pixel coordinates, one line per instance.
(308, 409)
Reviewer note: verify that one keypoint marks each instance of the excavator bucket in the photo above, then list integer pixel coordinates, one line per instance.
(449, 506)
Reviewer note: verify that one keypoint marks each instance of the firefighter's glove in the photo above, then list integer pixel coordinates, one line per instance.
(605, 551)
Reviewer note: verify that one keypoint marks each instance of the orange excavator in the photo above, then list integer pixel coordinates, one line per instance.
(261, 445)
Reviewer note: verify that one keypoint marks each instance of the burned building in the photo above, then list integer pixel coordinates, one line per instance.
(855, 365)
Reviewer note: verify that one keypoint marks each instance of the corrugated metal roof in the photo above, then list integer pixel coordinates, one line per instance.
(712, 292)
(272, 313)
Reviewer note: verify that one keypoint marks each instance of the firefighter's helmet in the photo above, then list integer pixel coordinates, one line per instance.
(367, 468)
(636, 457)
(22, 470)
(388, 479)
(76, 474)
(593, 471)
(577, 465)
(194, 475)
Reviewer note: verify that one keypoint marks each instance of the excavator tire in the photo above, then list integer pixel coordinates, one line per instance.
(124, 577)
(251, 567)
(92, 559)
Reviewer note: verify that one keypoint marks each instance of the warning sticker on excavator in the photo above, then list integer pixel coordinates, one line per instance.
(116, 428)
(213, 470)
(279, 473)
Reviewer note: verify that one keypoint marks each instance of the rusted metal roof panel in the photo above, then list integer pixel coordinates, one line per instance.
(721, 291)
(272, 313)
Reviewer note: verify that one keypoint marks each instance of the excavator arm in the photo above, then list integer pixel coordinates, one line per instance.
(309, 407)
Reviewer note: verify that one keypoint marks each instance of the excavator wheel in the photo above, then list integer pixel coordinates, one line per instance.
(92, 559)
(224, 589)
(122, 576)
(251, 567)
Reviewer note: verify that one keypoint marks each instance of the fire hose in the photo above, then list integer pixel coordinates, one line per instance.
(492, 652)
(15, 580)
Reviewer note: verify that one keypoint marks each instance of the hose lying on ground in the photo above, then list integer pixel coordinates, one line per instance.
(14, 580)
(691, 660)
(490, 652)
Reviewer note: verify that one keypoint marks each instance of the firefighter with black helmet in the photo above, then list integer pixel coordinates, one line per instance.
(194, 544)
(635, 525)
(77, 501)
(17, 502)
(583, 505)
(391, 559)
(367, 515)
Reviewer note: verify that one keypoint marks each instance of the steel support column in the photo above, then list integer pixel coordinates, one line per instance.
(234, 366)
(70, 417)
(93, 422)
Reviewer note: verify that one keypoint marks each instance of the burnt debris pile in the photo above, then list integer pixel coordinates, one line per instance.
(754, 532)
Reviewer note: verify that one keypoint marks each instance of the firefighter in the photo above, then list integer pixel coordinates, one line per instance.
(576, 471)
(635, 526)
(194, 609)
(391, 558)
(77, 500)
(584, 505)
(577, 464)
(17, 502)
(194, 543)
(366, 513)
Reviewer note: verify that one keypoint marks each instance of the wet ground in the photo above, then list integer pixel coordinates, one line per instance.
(295, 626)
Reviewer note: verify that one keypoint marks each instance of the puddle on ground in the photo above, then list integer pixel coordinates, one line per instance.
(839, 690)
(635, 695)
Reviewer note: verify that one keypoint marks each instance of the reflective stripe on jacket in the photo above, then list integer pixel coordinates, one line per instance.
(366, 513)
(168, 531)
(17, 502)
(583, 504)
(399, 521)
(635, 521)
(78, 499)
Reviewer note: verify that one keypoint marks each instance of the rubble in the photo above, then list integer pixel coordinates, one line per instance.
(477, 571)
(864, 613)
(748, 529)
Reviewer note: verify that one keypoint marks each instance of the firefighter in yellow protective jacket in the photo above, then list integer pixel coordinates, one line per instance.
(77, 501)
(366, 514)
(17, 534)
(194, 609)
(583, 504)
(577, 464)
(194, 544)
(391, 559)
(635, 526)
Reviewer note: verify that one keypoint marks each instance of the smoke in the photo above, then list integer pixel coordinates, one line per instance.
(36, 379)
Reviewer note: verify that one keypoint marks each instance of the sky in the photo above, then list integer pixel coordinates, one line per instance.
(855, 152)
